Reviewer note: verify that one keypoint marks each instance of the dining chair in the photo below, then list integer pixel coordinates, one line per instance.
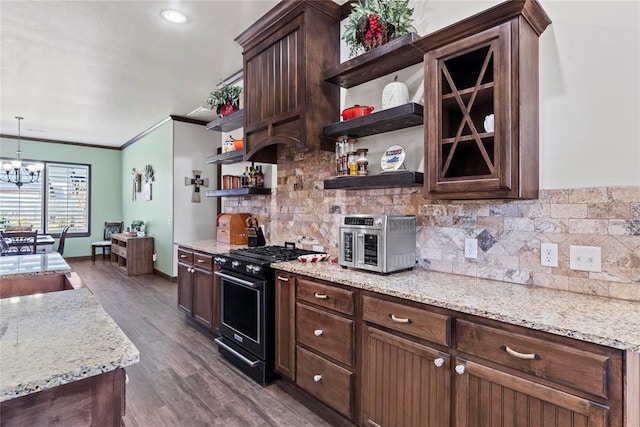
(21, 242)
(63, 236)
(109, 229)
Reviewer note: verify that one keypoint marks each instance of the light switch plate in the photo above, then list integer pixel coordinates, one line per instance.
(585, 258)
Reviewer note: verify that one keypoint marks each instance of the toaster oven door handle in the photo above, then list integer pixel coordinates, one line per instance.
(360, 248)
(237, 280)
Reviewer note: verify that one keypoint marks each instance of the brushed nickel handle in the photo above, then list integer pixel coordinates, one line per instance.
(317, 378)
(200, 261)
(438, 362)
(525, 356)
(284, 279)
(183, 256)
(317, 332)
(460, 369)
(320, 296)
(399, 319)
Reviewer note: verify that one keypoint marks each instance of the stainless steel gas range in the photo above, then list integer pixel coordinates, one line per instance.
(247, 307)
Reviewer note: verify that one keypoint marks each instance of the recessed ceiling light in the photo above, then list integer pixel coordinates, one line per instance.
(174, 16)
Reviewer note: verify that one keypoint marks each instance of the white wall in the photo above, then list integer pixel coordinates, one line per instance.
(192, 144)
(589, 91)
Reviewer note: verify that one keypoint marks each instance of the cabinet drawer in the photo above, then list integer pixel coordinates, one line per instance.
(326, 381)
(331, 297)
(185, 256)
(417, 322)
(580, 369)
(119, 250)
(204, 261)
(325, 332)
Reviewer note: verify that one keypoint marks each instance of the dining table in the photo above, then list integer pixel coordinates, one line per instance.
(44, 243)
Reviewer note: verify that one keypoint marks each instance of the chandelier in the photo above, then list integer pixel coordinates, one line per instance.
(18, 173)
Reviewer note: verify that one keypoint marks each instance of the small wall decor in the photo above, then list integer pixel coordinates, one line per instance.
(148, 175)
(136, 180)
(197, 182)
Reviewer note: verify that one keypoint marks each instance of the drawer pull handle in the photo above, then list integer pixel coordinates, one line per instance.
(317, 332)
(183, 256)
(460, 369)
(284, 279)
(200, 261)
(438, 362)
(317, 378)
(525, 356)
(320, 296)
(399, 319)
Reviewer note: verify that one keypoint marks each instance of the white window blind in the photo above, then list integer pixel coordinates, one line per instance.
(67, 197)
(20, 206)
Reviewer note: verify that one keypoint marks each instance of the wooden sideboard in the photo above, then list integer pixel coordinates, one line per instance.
(133, 255)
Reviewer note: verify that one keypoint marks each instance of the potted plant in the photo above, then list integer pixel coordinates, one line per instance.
(225, 100)
(373, 23)
(138, 227)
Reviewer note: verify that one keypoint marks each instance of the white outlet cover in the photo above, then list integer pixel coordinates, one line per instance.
(585, 258)
(471, 248)
(549, 254)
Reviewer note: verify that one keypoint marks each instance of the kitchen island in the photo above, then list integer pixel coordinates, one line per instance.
(29, 274)
(63, 359)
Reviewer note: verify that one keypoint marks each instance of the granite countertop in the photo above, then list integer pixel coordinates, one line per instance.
(606, 321)
(16, 266)
(56, 338)
(209, 246)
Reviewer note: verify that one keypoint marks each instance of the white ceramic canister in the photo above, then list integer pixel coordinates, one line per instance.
(394, 94)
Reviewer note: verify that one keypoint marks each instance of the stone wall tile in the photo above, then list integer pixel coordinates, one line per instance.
(624, 291)
(589, 195)
(611, 210)
(551, 281)
(625, 194)
(519, 224)
(589, 287)
(554, 196)
(549, 225)
(619, 227)
(588, 226)
(566, 210)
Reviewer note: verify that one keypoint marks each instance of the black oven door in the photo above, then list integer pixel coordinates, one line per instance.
(242, 311)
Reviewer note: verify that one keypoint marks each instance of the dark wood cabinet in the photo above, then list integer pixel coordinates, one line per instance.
(285, 325)
(484, 394)
(404, 383)
(198, 288)
(286, 99)
(481, 104)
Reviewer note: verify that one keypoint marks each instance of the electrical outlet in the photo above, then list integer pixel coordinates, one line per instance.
(549, 255)
(471, 248)
(585, 258)
(155, 257)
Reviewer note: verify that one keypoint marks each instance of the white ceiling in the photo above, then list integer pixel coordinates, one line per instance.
(102, 72)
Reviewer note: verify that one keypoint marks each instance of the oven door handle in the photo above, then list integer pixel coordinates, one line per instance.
(252, 363)
(237, 280)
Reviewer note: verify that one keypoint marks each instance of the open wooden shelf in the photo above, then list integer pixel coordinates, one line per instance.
(403, 116)
(228, 123)
(239, 192)
(382, 180)
(227, 158)
(378, 62)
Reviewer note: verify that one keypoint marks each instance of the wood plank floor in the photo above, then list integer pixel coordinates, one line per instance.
(181, 379)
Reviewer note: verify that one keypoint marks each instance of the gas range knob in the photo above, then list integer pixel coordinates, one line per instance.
(235, 264)
(254, 269)
(220, 260)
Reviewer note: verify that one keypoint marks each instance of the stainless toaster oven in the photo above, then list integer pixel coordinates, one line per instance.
(380, 243)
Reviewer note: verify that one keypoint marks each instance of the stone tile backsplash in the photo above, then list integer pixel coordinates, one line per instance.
(509, 232)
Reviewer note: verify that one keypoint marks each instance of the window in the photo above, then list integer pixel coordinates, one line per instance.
(59, 198)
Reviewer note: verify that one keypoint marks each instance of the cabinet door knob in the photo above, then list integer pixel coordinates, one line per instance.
(399, 319)
(284, 279)
(438, 362)
(525, 356)
(320, 296)
(317, 332)
(460, 369)
(317, 378)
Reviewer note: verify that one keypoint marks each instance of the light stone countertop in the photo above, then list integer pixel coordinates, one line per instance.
(56, 338)
(16, 266)
(209, 246)
(606, 321)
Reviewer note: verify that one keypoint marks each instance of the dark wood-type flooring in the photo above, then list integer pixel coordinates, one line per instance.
(181, 379)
